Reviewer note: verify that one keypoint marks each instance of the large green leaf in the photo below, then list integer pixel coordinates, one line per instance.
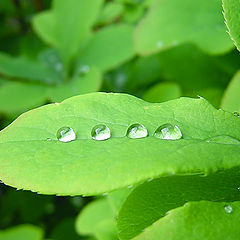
(22, 232)
(97, 219)
(231, 14)
(197, 221)
(105, 51)
(231, 97)
(171, 22)
(32, 157)
(152, 200)
(25, 69)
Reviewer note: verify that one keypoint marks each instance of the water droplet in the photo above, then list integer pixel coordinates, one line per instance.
(228, 209)
(159, 44)
(101, 132)
(130, 186)
(168, 132)
(66, 134)
(49, 139)
(105, 194)
(224, 139)
(150, 179)
(236, 114)
(239, 188)
(137, 131)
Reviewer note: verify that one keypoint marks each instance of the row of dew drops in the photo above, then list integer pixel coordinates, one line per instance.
(102, 132)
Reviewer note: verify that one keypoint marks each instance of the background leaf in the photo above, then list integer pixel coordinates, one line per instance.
(169, 23)
(152, 200)
(196, 220)
(231, 14)
(231, 97)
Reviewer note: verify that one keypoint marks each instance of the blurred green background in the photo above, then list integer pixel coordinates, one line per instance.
(157, 50)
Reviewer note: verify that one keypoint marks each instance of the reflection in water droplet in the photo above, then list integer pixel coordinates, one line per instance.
(168, 132)
(224, 139)
(137, 131)
(228, 209)
(66, 134)
(239, 188)
(236, 114)
(101, 132)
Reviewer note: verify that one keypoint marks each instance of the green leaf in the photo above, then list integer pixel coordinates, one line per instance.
(232, 17)
(197, 221)
(90, 82)
(16, 97)
(22, 232)
(162, 92)
(152, 200)
(174, 22)
(97, 219)
(191, 69)
(105, 51)
(24, 69)
(65, 230)
(44, 24)
(231, 97)
(75, 167)
(110, 12)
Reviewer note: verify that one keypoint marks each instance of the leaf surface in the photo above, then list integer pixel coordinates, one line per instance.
(232, 16)
(22, 232)
(169, 23)
(105, 50)
(97, 219)
(231, 97)
(152, 200)
(74, 168)
(197, 221)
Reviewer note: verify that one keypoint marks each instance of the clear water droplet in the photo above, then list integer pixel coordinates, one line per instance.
(137, 131)
(101, 132)
(223, 139)
(130, 186)
(49, 139)
(105, 194)
(239, 188)
(66, 134)
(168, 132)
(236, 114)
(228, 209)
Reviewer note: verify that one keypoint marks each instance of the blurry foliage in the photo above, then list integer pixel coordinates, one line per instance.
(154, 49)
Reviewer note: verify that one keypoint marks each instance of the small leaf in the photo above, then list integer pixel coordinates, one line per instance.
(16, 97)
(152, 200)
(105, 51)
(110, 12)
(16, 67)
(162, 92)
(231, 14)
(44, 24)
(231, 97)
(97, 219)
(169, 23)
(196, 220)
(87, 83)
(22, 232)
